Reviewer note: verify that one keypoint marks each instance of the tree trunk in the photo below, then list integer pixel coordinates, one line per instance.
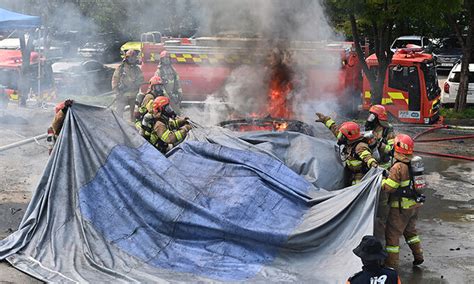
(24, 86)
(461, 97)
(360, 54)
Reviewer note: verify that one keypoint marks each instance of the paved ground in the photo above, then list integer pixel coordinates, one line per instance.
(446, 221)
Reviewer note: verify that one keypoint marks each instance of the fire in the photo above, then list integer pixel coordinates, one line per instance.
(280, 126)
(278, 105)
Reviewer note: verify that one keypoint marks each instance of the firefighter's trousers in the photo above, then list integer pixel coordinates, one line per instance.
(124, 99)
(402, 222)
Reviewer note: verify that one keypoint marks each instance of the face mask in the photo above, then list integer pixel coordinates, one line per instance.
(371, 117)
(165, 61)
(169, 112)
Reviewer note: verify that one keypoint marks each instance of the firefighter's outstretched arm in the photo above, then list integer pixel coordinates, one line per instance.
(178, 122)
(363, 151)
(329, 122)
(170, 136)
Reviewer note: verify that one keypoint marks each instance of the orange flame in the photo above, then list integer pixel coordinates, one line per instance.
(279, 106)
(280, 126)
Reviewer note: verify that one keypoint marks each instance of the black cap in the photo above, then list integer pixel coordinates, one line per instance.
(370, 249)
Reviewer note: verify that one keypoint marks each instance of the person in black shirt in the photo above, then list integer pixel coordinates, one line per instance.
(372, 254)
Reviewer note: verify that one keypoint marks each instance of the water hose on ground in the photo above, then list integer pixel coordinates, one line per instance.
(23, 142)
(463, 137)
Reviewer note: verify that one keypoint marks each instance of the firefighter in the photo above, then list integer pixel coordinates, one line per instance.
(58, 121)
(170, 78)
(404, 202)
(356, 153)
(372, 254)
(377, 122)
(126, 81)
(144, 102)
(161, 127)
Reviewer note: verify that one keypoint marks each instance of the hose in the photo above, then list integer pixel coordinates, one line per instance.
(22, 142)
(443, 139)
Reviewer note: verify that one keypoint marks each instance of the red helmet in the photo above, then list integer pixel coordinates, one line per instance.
(379, 111)
(350, 130)
(159, 103)
(163, 54)
(59, 107)
(155, 80)
(404, 144)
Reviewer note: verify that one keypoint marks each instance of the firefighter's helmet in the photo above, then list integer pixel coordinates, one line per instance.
(59, 107)
(379, 111)
(404, 144)
(155, 80)
(350, 130)
(163, 54)
(160, 103)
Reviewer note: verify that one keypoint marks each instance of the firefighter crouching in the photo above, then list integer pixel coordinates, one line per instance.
(377, 122)
(357, 154)
(404, 201)
(170, 77)
(144, 102)
(126, 81)
(58, 121)
(161, 127)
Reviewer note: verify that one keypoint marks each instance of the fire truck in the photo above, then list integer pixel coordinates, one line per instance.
(411, 92)
(10, 68)
(205, 63)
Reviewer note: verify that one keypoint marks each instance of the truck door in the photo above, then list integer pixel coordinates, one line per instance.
(414, 94)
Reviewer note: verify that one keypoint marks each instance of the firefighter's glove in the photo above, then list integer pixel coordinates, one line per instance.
(385, 173)
(374, 165)
(187, 127)
(67, 104)
(321, 117)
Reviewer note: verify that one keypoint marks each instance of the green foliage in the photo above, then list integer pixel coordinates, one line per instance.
(451, 113)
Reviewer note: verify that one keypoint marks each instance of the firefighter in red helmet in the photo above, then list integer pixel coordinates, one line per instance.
(161, 127)
(404, 201)
(356, 153)
(170, 77)
(377, 122)
(60, 114)
(144, 102)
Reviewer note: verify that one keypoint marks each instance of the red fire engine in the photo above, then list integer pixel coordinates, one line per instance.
(410, 92)
(10, 68)
(204, 65)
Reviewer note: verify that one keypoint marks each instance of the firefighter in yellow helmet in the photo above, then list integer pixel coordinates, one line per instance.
(356, 153)
(161, 127)
(126, 82)
(404, 201)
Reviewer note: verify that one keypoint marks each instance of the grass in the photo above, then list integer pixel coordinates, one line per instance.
(449, 113)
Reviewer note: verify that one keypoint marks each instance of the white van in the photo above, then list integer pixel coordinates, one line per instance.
(451, 86)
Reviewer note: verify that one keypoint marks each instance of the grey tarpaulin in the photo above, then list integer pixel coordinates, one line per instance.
(110, 208)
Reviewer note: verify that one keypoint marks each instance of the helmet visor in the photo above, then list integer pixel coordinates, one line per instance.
(371, 117)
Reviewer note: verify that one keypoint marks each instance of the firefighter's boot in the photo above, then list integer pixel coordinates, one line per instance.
(392, 260)
(417, 253)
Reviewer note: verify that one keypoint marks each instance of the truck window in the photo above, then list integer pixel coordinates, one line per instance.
(398, 78)
(9, 78)
(414, 91)
(431, 80)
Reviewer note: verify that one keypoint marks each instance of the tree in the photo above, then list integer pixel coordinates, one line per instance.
(463, 19)
(382, 21)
